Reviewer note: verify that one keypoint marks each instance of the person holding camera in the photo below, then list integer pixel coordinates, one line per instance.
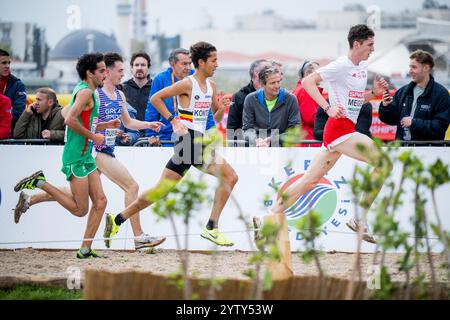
(420, 109)
(42, 119)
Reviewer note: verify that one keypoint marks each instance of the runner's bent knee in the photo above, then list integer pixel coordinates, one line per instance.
(81, 210)
(230, 177)
(100, 204)
(132, 187)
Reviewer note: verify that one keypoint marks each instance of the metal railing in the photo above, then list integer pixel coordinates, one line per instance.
(31, 141)
(244, 143)
(430, 143)
(143, 142)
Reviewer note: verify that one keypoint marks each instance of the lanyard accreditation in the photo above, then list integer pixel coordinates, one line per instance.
(174, 98)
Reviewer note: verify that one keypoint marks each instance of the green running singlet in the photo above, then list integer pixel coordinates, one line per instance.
(77, 159)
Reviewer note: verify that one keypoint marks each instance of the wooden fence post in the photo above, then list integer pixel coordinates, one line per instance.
(282, 269)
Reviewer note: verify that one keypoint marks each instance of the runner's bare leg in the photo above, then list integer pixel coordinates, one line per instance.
(142, 202)
(77, 202)
(349, 148)
(97, 210)
(45, 197)
(115, 171)
(227, 180)
(323, 161)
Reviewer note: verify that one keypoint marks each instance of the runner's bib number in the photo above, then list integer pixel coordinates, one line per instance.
(110, 137)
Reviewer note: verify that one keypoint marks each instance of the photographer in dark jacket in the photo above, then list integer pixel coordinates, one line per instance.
(421, 109)
(363, 122)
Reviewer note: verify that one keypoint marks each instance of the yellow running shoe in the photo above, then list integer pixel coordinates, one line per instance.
(215, 236)
(111, 228)
(90, 254)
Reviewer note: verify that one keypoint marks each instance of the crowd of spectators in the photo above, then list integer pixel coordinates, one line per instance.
(260, 114)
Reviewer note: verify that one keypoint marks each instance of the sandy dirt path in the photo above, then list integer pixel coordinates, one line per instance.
(52, 264)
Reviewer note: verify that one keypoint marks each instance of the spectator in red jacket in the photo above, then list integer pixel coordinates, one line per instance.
(5, 117)
(307, 106)
(12, 87)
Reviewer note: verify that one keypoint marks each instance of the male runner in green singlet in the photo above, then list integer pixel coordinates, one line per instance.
(78, 164)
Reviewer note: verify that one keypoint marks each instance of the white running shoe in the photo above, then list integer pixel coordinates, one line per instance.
(146, 241)
(355, 225)
(23, 204)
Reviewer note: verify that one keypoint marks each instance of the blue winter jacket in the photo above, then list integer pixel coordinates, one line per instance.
(15, 91)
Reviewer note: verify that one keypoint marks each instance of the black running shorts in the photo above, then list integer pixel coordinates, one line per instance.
(188, 151)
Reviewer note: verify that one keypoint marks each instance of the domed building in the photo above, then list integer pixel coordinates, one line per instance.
(82, 41)
(63, 58)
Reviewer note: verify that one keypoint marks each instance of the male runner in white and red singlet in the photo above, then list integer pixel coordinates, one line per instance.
(347, 79)
(196, 96)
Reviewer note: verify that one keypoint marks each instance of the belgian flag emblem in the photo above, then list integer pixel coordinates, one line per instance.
(185, 115)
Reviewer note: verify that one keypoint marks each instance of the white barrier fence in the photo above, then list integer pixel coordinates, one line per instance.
(48, 225)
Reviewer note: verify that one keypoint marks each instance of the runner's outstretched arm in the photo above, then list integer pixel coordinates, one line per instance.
(135, 124)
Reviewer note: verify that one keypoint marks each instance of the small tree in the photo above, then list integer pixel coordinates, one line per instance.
(180, 200)
(390, 236)
(365, 186)
(438, 176)
(309, 229)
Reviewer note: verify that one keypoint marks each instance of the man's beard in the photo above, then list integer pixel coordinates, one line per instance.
(140, 76)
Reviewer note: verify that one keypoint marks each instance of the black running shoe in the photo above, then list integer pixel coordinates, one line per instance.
(30, 182)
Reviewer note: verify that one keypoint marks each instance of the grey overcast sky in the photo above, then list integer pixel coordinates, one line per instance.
(174, 15)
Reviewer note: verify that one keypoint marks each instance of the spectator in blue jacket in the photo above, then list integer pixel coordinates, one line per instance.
(12, 87)
(180, 67)
(128, 137)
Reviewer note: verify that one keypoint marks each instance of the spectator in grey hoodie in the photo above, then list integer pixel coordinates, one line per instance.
(269, 111)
